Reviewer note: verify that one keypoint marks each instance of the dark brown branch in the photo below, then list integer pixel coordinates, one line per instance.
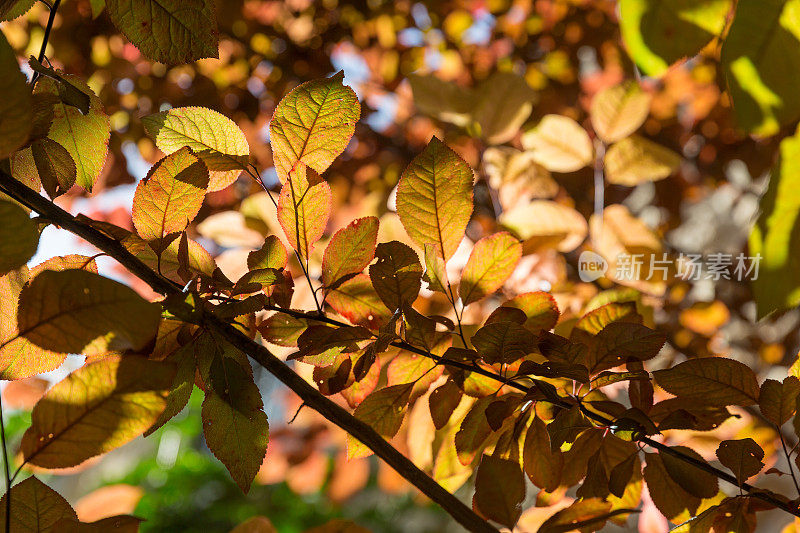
(310, 396)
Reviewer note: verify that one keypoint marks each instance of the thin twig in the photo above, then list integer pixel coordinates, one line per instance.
(47, 30)
(6, 467)
(789, 462)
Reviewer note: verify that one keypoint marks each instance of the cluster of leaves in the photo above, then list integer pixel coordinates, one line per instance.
(505, 387)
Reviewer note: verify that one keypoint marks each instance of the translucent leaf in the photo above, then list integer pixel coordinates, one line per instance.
(313, 125)
(559, 144)
(181, 387)
(97, 408)
(358, 302)
(657, 34)
(542, 464)
(35, 508)
(516, 176)
(435, 271)
(473, 431)
(713, 381)
(434, 198)
(15, 107)
(282, 329)
(742, 456)
(499, 490)
(303, 209)
(619, 342)
(168, 31)
(758, 52)
(539, 307)
(84, 136)
(75, 311)
(272, 254)
(350, 250)
(546, 224)
(212, 136)
(778, 401)
(504, 342)
(56, 168)
(619, 110)
(19, 236)
(11, 9)
(396, 275)
(591, 513)
(169, 197)
(384, 409)
(635, 160)
(492, 261)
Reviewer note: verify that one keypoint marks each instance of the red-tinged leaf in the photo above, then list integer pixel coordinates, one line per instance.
(169, 197)
(304, 206)
(396, 275)
(359, 390)
(504, 342)
(492, 261)
(539, 308)
(75, 311)
(443, 401)
(272, 254)
(584, 515)
(670, 498)
(743, 457)
(321, 345)
(65, 262)
(778, 401)
(282, 329)
(473, 432)
(350, 250)
(97, 408)
(19, 236)
(434, 198)
(117, 524)
(24, 393)
(108, 501)
(712, 381)
(357, 301)
(499, 490)
(620, 341)
(594, 321)
(385, 408)
(696, 482)
(542, 464)
(313, 124)
(416, 369)
(234, 423)
(567, 425)
(35, 507)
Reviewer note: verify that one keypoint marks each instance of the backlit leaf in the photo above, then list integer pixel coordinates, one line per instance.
(350, 250)
(169, 197)
(434, 198)
(634, 160)
(670, 498)
(35, 507)
(559, 144)
(303, 209)
(742, 456)
(590, 513)
(473, 431)
(384, 409)
(358, 302)
(504, 342)
(97, 408)
(713, 381)
(491, 262)
(168, 31)
(620, 341)
(56, 169)
(19, 236)
(546, 224)
(272, 254)
(313, 124)
(620, 110)
(15, 107)
(11, 9)
(499, 490)
(75, 311)
(542, 464)
(778, 401)
(84, 136)
(396, 275)
(539, 308)
(212, 136)
(443, 401)
(435, 271)
(282, 329)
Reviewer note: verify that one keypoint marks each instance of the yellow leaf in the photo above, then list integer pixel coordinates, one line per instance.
(546, 223)
(19, 236)
(491, 262)
(16, 104)
(635, 160)
(620, 110)
(559, 144)
(304, 206)
(711, 381)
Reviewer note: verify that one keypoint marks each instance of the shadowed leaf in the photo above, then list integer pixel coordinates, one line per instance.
(542, 464)
(15, 107)
(713, 381)
(19, 236)
(35, 508)
(742, 456)
(499, 490)
(396, 275)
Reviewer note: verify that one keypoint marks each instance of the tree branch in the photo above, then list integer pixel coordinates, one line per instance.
(310, 396)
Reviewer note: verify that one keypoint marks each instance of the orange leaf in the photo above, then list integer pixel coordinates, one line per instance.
(499, 490)
(350, 250)
(304, 206)
(491, 262)
(713, 381)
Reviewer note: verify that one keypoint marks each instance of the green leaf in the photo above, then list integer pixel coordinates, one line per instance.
(435, 271)
(491, 262)
(504, 342)
(350, 250)
(84, 136)
(385, 408)
(657, 33)
(559, 144)
(474, 431)
(778, 401)
(75, 311)
(212, 136)
(55, 167)
(304, 206)
(434, 198)
(396, 275)
(168, 31)
(313, 125)
(282, 329)
(169, 197)
(499, 490)
(542, 464)
(776, 283)
(712, 381)
(97, 408)
(696, 482)
(181, 388)
(742, 456)
(759, 51)
(635, 160)
(11, 9)
(619, 110)
(35, 508)
(234, 423)
(539, 307)
(16, 105)
(19, 236)
(272, 254)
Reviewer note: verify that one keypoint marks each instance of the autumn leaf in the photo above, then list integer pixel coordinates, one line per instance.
(499, 490)
(396, 275)
(713, 381)
(210, 135)
(559, 144)
(385, 408)
(435, 272)
(35, 507)
(282, 329)
(542, 464)
(778, 401)
(54, 165)
(75, 311)
(491, 262)
(168, 32)
(443, 401)
(540, 310)
(357, 301)
(312, 125)
(670, 498)
(743, 457)
(546, 224)
(635, 160)
(696, 482)
(19, 236)
(169, 197)
(434, 198)
(16, 105)
(619, 341)
(504, 342)
(619, 110)
(350, 250)
(97, 408)
(272, 254)
(304, 206)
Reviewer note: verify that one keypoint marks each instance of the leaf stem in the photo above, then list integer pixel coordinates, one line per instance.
(5, 467)
(53, 8)
(788, 461)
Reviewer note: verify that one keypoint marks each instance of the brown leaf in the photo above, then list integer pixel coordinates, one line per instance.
(742, 456)
(499, 490)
